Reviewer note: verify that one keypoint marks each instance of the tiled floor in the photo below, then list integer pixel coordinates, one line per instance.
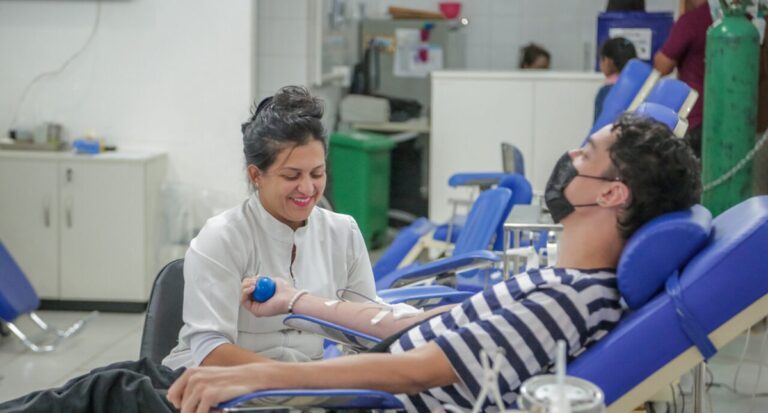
(115, 337)
(105, 339)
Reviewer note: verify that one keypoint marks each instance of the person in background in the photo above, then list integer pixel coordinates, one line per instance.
(614, 55)
(625, 5)
(684, 50)
(534, 56)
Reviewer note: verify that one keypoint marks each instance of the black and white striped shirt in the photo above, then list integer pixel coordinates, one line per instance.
(524, 317)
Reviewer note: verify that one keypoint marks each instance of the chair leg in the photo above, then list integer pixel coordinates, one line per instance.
(698, 387)
(70, 331)
(60, 334)
(29, 343)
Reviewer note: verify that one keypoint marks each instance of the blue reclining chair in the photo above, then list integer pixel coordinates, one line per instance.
(488, 212)
(634, 84)
(674, 94)
(18, 298)
(413, 239)
(660, 247)
(730, 272)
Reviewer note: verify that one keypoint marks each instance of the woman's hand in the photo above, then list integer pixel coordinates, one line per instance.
(200, 389)
(276, 305)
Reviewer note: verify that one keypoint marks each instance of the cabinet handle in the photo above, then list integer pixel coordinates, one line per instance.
(47, 215)
(69, 174)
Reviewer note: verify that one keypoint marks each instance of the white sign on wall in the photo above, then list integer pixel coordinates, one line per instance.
(640, 38)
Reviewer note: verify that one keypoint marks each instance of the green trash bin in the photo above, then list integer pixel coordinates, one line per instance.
(359, 168)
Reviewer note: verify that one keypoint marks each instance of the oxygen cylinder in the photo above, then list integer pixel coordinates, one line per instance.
(730, 109)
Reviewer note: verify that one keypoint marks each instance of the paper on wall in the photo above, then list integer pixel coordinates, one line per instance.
(407, 62)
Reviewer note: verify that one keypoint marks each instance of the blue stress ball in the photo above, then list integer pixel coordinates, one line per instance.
(265, 289)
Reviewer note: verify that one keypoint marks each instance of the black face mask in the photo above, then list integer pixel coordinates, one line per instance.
(554, 195)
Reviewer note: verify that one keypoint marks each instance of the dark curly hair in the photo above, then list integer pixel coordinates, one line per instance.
(289, 118)
(660, 170)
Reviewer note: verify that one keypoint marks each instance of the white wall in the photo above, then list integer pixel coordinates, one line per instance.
(174, 75)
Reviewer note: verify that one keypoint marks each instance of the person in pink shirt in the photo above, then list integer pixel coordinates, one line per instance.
(684, 50)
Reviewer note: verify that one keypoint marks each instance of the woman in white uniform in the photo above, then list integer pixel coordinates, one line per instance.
(278, 232)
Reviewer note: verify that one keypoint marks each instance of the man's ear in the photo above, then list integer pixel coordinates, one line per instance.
(254, 175)
(616, 195)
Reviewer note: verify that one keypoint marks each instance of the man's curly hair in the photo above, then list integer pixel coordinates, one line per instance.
(660, 170)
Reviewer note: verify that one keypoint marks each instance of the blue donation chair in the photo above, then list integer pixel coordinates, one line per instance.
(682, 323)
(635, 82)
(411, 241)
(670, 273)
(488, 212)
(18, 298)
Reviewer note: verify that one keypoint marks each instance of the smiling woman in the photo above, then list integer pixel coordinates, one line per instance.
(277, 232)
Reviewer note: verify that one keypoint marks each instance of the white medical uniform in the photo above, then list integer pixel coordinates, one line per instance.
(246, 241)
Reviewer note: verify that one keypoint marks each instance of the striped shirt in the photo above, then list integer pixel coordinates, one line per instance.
(524, 317)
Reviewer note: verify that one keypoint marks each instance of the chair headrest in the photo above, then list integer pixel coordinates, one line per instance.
(664, 115)
(659, 248)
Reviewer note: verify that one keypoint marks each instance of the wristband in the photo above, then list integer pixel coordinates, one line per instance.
(294, 299)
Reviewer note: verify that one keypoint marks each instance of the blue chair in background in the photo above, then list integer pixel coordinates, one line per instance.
(664, 115)
(18, 298)
(674, 94)
(634, 84)
(488, 212)
(412, 240)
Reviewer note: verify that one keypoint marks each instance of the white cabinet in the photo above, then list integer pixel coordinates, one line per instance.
(83, 227)
(543, 113)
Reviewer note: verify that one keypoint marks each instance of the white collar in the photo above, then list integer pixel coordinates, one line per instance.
(277, 230)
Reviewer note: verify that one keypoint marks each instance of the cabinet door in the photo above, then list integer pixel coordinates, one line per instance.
(28, 220)
(102, 231)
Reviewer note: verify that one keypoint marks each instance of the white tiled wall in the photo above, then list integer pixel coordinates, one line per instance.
(286, 46)
(499, 28)
(284, 49)
(497, 31)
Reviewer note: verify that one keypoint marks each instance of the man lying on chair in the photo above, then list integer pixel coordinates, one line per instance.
(627, 174)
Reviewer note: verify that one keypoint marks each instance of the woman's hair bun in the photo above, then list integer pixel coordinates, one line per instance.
(297, 101)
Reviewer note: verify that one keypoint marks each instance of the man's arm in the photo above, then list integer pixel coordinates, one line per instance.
(663, 64)
(199, 389)
(352, 315)
(232, 355)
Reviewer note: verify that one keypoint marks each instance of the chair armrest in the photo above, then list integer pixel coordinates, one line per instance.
(348, 337)
(429, 295)
(305, 398)
(455, 263)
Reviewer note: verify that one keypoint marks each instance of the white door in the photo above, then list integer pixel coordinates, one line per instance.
(29, 222)
(102, 231)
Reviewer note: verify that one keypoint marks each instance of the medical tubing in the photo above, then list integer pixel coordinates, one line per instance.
(340, 295)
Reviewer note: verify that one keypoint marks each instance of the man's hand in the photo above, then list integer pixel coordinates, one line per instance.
(276, 305)
(200, 389)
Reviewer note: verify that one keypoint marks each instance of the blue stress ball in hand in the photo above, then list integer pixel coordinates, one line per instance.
(265, 289)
